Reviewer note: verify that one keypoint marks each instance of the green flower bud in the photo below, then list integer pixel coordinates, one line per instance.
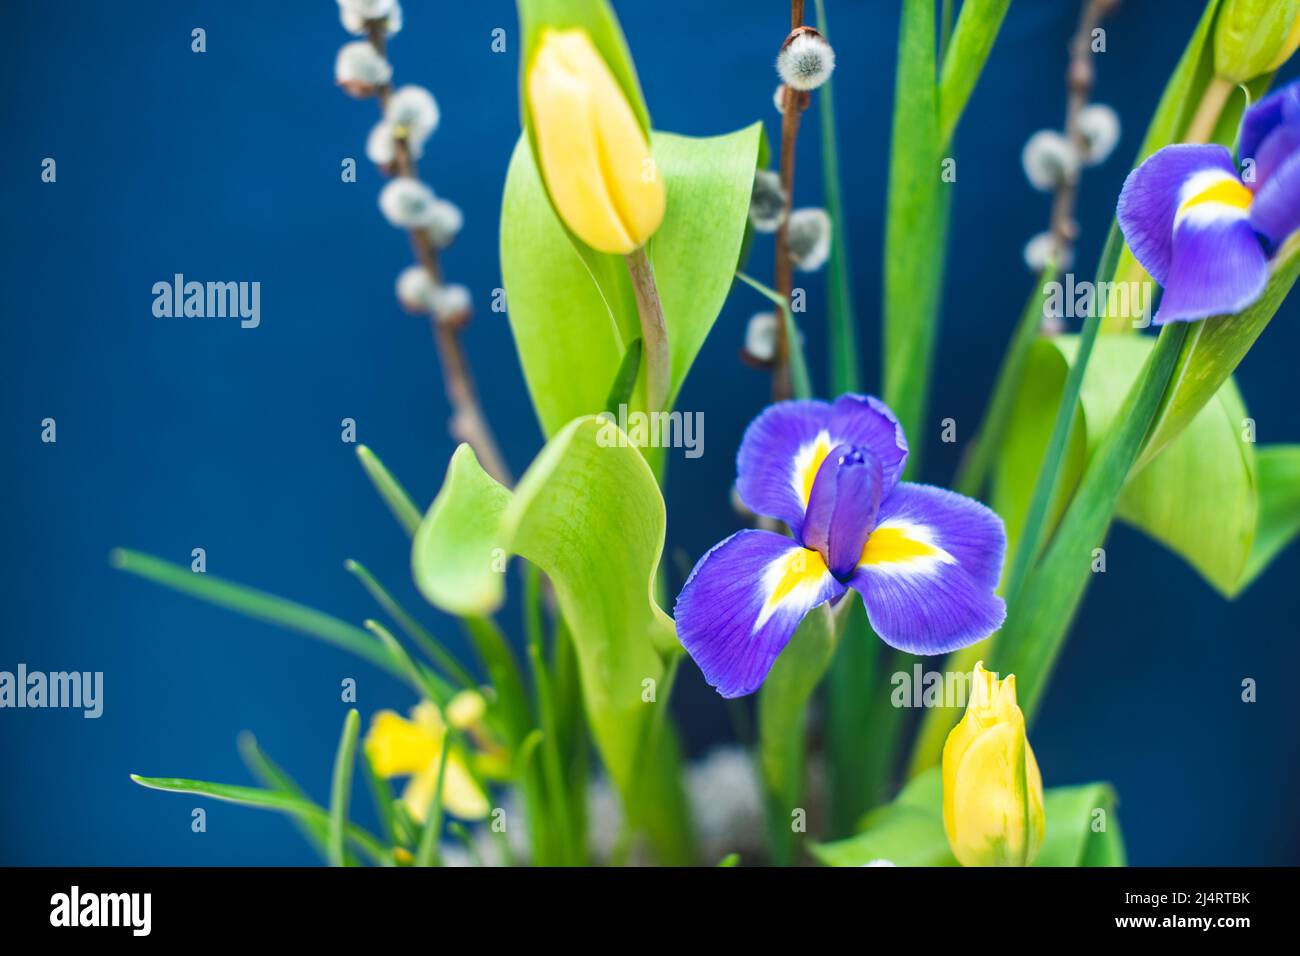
(1254, 37)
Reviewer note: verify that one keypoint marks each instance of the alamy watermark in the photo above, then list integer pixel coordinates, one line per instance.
(209, 300)
(81, 690)
(652, 430)
(1085, 300)
(922, 688)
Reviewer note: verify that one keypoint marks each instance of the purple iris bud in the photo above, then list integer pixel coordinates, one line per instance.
(925, 561)
(842, 508)
(1203, 227)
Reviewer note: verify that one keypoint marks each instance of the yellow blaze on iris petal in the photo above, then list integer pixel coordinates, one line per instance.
(795, 576)
(901, 545)
(397, 747)
(1225, 192)
(807, 463)
(592, 152)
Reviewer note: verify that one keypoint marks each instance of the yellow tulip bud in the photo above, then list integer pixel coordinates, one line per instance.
(1254, 37)
(992, 790)
(592, 152)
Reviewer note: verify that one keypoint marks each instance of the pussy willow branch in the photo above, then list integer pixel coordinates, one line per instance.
(1079, 79)
(468, 423)
(793, 103)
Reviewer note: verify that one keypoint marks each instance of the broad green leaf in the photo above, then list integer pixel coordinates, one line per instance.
(590, 517)
(1082, 827)
(1279, 507)
(269, 800)
(910, 832)
(783, 718)
(972, 41)
(572, 311)
(1215, 348)
(916, 223)
(1198, 498)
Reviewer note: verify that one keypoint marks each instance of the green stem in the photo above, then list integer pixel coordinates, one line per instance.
(341, 786)
(654, 333)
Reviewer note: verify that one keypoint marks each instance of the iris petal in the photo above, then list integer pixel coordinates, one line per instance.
(928, 571)
(743, 602)
(842, 508)
(1218, 267)
(867, 422)
(1152, 194)
(779, 457)
(1263, 118)
(1276, 210)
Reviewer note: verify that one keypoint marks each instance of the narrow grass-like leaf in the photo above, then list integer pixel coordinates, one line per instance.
(461, 833)
(972, 41)
(915, 225)
(426, 853)
(341, 785)
(273, 777)
(428, 683)
(269, 800)
(390, 489)
(381, 794)
(414, 630)
(257, 604)
(1040, 617)
(782, 723)
(800, 381)
(843, 337)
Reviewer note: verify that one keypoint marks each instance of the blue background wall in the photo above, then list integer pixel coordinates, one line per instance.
(184, 433)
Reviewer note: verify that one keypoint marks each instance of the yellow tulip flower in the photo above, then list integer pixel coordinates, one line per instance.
(398, 747)
(992, 790)
(592, 152)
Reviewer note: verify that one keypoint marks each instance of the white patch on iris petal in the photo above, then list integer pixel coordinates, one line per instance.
(809, 458)
(1205, 213)
(913, 533)
(800, 597)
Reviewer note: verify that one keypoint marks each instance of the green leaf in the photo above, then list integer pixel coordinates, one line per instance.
(1198, 498)
(573, 313)
(839, 284)
(341, 785)
(783, 718)
(390, 489)
(579, 504)
(1215, 348)
(910, 832)
(259, 605)
(916, 223)
(426, 852)
(1039, 619)
(268, 800)
(620, 393)
(1279, 507)
(972, 41)
(1082, 827)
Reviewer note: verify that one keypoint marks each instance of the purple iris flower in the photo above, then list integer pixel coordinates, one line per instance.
(925, 560)
(1201, 231)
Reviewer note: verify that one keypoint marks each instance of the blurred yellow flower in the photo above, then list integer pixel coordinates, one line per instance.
(992, 790)
(398, 747)
(1254, 37)
(592, 152)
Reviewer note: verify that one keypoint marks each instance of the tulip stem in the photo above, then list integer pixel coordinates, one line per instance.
(1213, 100)
(654, 333)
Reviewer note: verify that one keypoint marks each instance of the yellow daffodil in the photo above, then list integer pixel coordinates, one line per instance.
(992, 790)
(1254, 37)
(398, 747)
(592, 152)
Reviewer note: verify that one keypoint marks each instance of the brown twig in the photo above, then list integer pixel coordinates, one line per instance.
(468, 423)
(793, 103)
(1079, 79)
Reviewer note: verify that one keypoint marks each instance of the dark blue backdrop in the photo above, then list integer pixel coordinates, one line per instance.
(175, 434)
